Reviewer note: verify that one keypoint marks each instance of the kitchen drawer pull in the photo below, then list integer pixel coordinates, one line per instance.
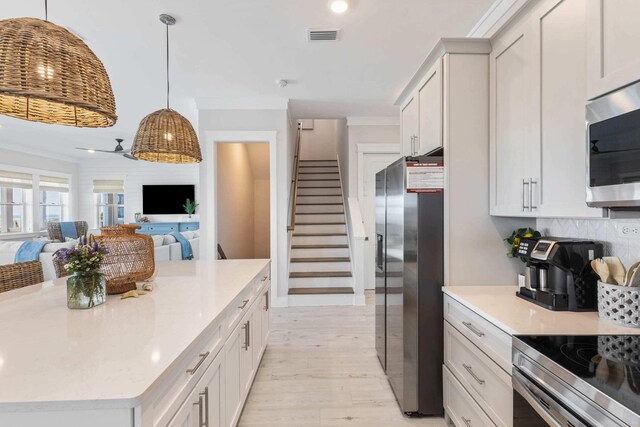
(244, 304)
(467, 421)
(266, 301)
(264, 278)
(245, 346)
(473, 329)
(473, 374)
(193, 370)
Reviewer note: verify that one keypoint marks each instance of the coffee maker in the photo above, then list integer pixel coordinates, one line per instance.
(558, 274)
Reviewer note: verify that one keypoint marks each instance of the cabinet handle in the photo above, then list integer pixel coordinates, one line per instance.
(244, 304)
(266, 301)
(193, 370)
(204, 420)
(473, 374)
(524, 196)
(247, 335)
(248, 332)
(467, 421)
(415, 144)
(264, 278)
(531, 205)
(473, 329)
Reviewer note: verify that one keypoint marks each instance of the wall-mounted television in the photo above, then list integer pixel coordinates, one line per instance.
(166, 199)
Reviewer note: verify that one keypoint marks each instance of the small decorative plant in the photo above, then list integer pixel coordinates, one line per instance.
(516, 236)
(190, 206)
(86, 288)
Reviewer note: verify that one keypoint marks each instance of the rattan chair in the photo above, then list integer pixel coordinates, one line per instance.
(19, 275)
(59, 268)
(55, 232)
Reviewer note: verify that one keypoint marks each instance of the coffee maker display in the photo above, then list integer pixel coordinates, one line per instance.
(558, 273)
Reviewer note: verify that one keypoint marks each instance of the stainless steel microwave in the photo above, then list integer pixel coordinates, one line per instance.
(613, 149)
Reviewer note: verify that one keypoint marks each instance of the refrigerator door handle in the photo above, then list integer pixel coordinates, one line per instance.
(379, 242)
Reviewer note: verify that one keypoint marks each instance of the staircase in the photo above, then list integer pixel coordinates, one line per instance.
(319, 260)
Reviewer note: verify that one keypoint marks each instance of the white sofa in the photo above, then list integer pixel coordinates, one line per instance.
(166, 248)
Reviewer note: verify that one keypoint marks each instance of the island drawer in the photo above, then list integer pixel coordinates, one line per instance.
(188, 372)
(245, 300)
(460, 406)
(489, 384)
(493, 341)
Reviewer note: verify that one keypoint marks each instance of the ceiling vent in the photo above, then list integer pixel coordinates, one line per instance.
(316, 35)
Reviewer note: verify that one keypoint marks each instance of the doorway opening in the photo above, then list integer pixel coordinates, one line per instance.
(243, 226)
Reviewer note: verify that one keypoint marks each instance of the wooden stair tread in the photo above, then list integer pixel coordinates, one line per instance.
(312, 274)
(319, 195)
(315, 166)
(317, 234)
(320, 160)
(318, 173)
(320, 291)
(320, 179)
(319, 246)
(335, 259)
(320, 223)
(319, 213)
(317, 204)
(299, 187)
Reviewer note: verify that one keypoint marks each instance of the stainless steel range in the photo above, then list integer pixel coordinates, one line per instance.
(574, 381)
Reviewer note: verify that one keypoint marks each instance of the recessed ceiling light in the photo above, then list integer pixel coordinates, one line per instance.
(339, 6)
(91, 151)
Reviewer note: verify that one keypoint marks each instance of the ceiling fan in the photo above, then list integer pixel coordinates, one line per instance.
(118, 150)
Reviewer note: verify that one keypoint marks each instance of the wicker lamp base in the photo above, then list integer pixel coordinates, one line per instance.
(120, 285)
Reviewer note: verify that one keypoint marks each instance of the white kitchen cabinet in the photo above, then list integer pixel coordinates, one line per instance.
(430, 111)
(235, 373)
(514, 151)
(409, 127)
(538, 85)
(613, 36)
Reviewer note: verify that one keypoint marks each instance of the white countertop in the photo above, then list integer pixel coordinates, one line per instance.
(501, 306)
(115, 352)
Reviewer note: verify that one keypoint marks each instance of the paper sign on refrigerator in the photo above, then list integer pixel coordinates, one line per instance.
(425, 177)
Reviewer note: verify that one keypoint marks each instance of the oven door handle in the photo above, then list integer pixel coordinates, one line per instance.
(546, 406)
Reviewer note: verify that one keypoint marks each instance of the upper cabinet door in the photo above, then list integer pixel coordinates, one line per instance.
(514, 157)
(430, 111)
(613, 38)
(559, 41)
(409, 124)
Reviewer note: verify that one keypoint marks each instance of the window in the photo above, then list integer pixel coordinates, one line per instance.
(109, 202)
(54, 199)
(15, 194)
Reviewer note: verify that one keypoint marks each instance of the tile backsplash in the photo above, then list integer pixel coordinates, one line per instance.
(603, 230)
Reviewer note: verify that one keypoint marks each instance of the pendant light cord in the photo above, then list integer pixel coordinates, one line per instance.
(46, 11)
(167, 25)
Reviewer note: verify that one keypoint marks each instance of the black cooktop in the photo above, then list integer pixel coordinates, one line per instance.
(610, 363)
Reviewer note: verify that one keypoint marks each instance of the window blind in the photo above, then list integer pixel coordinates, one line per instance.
(53, 183)
(16, 180)
(108, 186)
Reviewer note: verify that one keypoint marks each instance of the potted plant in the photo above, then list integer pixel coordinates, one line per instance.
(86, 288)
(514, 239)
(190, 207)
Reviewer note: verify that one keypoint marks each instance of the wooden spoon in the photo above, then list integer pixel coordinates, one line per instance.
(627, 277)
(616, 269)
(602, 269)
(634, 280)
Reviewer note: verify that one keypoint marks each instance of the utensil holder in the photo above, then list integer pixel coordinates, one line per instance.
(619, 304)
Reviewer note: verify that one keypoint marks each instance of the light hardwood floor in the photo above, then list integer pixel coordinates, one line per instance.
(321, 369)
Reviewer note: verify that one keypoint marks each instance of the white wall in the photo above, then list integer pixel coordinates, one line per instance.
(135, 174)
(368, 130)
(319, 143)
(212, 124)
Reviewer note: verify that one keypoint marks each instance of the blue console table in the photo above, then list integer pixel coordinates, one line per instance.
(152, 228)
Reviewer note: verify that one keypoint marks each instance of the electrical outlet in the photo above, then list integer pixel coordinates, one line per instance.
(629, 229)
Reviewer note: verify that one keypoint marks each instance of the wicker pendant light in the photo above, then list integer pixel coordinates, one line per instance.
(165, 136)
(49, 75)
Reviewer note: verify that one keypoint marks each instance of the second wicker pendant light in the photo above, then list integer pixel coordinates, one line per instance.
(165, 136)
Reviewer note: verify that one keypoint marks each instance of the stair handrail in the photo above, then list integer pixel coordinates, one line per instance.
(294, 181)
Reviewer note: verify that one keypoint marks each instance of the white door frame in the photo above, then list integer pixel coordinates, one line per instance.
(208, 196)
(368, 148)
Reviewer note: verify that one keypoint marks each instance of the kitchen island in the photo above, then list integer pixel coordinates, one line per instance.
(183, 354)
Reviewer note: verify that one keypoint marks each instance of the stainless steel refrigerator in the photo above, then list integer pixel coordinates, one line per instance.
(409, 278)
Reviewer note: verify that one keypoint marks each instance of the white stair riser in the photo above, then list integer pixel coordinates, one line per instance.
(320, 300)
(319, 240)
(319, 208)
(310, 184)
(332, 228)
(308, 175)
(319, 266)
(321, 191)
(320, 169)
(318, 163)
(319, 199)
(320, 282)
(337, 217)
(319, 253)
